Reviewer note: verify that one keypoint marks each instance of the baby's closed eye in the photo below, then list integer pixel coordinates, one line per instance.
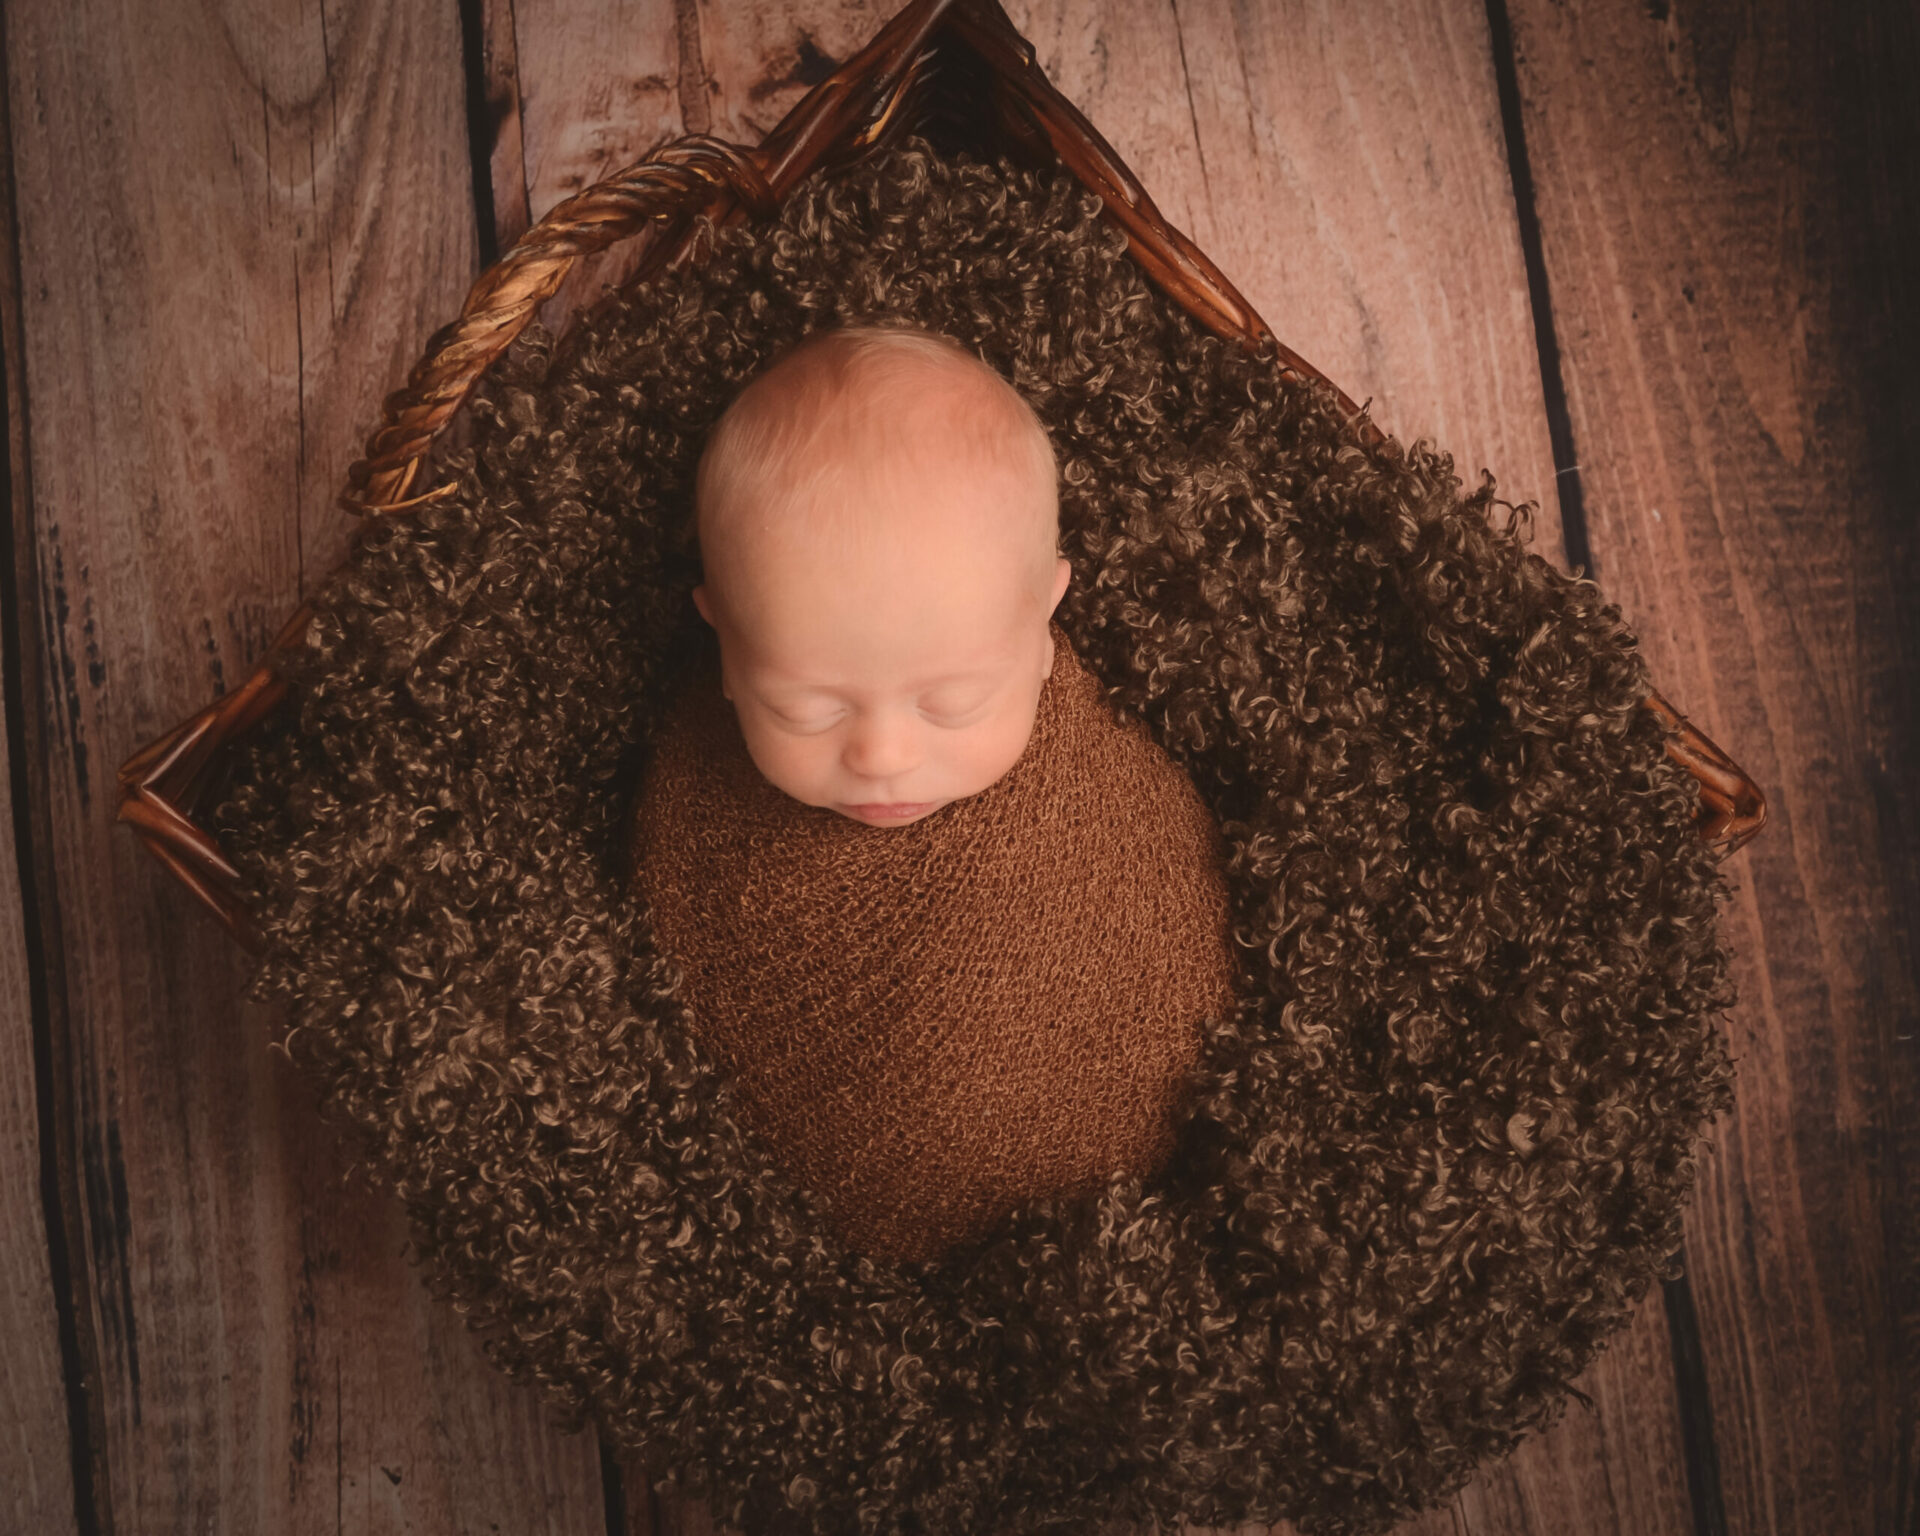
(946, 715)
(943, 706)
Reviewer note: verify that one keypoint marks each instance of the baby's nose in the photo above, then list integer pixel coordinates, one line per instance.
(881, 746)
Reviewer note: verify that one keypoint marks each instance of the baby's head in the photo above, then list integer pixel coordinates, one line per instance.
(879, 526)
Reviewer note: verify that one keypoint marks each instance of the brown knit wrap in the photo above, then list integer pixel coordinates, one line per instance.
(930, 1025)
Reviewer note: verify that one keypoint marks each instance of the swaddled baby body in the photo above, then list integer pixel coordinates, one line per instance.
(951, 927)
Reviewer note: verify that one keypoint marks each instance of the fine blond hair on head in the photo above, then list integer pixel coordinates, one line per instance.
(865, 408)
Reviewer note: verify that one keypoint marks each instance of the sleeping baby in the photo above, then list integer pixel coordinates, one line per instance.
(951, 928)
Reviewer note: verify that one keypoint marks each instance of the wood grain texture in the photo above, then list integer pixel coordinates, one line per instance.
(1728, 220)
(762, 56)
(36, 1475)
(1615, 1467)
(501, 130)
(37, 1452)
(237, 226)
(599, 85)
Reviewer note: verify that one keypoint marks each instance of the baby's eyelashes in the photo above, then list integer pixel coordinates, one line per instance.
(945, 717)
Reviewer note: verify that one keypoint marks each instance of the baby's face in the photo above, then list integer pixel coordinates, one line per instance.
(888, 682)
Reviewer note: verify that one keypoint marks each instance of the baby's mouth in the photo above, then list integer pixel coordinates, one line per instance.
(889, 812)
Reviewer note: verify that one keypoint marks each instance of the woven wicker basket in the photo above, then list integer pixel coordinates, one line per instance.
(953, 71)
(1368, 1269)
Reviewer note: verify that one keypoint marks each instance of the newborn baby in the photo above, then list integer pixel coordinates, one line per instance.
(950, 926)
(878, 524)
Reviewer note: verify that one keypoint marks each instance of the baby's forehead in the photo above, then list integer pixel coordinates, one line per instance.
(876, 446)
(797, 648)
(902, 402)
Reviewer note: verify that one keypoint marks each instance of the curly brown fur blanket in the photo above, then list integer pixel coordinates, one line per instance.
(1433, 1158)
(929, 1026)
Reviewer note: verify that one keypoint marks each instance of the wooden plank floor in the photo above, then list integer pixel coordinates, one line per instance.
(1648, 262)
(1728, 322)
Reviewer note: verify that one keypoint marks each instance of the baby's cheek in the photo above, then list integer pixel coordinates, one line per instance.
(774, 754)
(995, 756)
